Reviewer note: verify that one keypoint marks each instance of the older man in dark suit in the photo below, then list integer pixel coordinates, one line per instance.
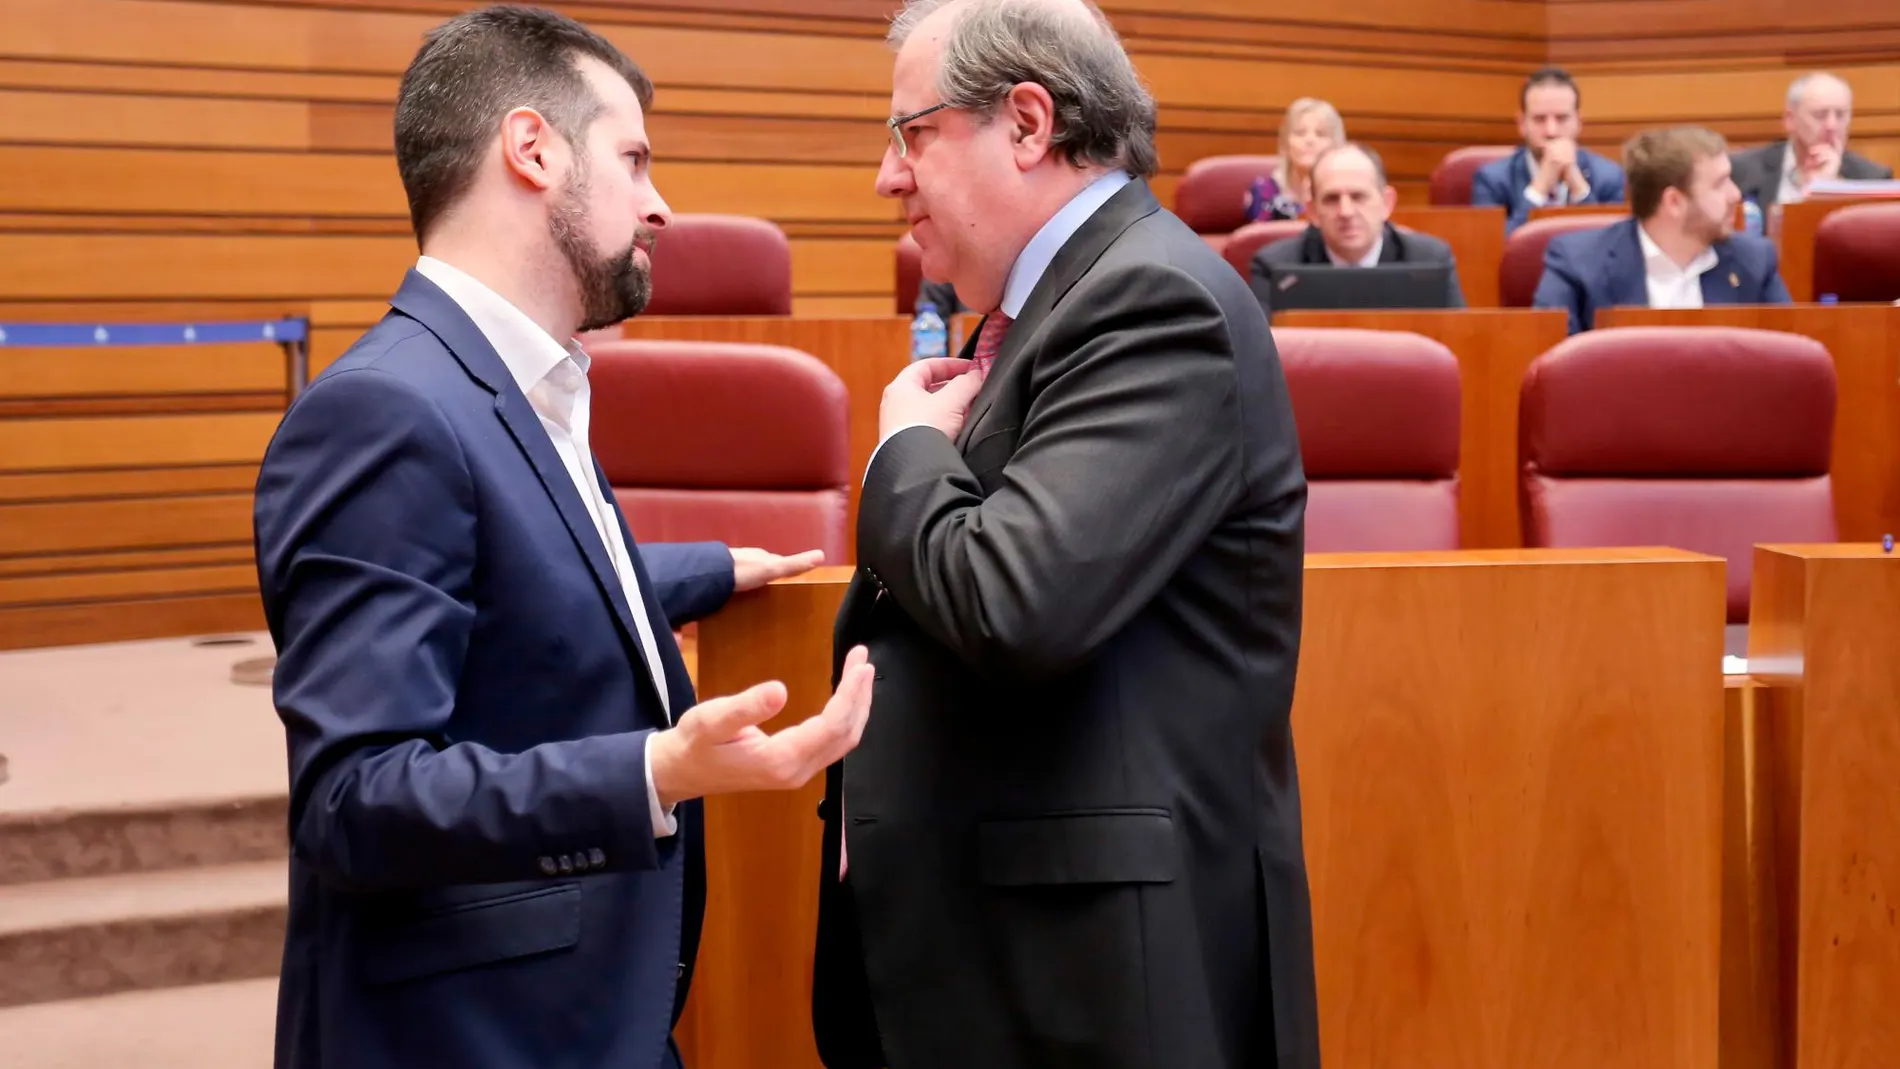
(1353, 203)
(1071, 836)
(1820, 108)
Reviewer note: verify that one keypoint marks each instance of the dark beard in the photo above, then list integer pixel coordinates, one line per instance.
(611, 289)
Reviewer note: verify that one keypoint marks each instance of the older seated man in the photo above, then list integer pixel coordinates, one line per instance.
(1353, 203)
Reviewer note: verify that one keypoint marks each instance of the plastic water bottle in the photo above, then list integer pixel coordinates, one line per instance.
(1751, 217)
(928, 336)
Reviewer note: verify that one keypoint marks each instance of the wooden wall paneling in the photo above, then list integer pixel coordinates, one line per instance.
(125, 619)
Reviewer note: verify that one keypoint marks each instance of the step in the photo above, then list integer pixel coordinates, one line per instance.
(78, 938)
(137, 755)
(210, 1026)
(60, 844)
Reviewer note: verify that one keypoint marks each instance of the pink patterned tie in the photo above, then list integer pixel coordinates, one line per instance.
(989, 340)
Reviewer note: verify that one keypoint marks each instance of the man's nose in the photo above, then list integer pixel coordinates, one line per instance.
(893, 175)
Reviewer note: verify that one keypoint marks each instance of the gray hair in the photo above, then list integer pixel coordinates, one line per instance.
(1798, 89)
(1104, 116)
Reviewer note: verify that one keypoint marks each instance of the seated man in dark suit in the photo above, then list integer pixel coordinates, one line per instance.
(1549, 168)
(1679, 250)
(1820, 106)
(1353, 203)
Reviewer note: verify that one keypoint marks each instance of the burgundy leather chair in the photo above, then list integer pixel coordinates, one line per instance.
(741, 443)
(910, 274)
(1710, 439)
(721, 265)
(1378, 418)
(1522, 264)
(1212, 196)
(1249, 239)
(1857, 253)
(1451, 179)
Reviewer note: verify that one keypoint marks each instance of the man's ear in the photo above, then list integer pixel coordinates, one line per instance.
(1031, 113)
(1391, 199)
(531, 150)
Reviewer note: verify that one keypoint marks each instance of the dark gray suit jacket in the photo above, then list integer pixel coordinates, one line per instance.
(1757, 172)
(1400, 247)
(1074, 817)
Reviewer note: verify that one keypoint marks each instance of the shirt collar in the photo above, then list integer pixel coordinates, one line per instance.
(1370, 259)
(528, 351)
(1656, 258)
(1041, 250)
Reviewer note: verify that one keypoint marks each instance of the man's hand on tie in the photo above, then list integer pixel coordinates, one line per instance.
(934, 392)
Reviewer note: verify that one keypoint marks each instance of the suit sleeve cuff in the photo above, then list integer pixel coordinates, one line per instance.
(880, 445)
(664, 823)
(1534, 198)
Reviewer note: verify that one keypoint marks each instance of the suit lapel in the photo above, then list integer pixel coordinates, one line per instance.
(1391, 245)
(1724, 283)
(1131, 203)
(422, 301)
(1623, 268)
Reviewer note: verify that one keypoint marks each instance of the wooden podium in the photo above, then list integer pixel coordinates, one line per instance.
(1824, 641)
(1511, 767)
(1511, 779)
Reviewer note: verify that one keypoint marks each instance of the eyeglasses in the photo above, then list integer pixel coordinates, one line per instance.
(898, 122)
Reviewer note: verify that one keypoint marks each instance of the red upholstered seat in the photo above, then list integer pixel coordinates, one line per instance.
(1249, 239)
(1451, 179)
(910, 274)
(712, 440)
(1710, 439)
(721, 265)
(1857, 253)
(1378, 420)
(1522, 264)
(1212, 196)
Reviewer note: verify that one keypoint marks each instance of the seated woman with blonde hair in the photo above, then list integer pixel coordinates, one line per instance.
(1310, 127)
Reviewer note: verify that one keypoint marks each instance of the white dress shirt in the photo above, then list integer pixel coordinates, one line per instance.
(1791, 191)
(1370, 259)
(554, 378)
(1671, 285)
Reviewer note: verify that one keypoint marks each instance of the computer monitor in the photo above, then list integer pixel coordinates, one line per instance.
(1325, 287)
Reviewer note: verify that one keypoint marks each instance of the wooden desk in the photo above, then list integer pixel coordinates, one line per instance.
(1514, 859)
(1493, 347)
(866, 353)
(1476, 237)
(1822, 639)
(1612, 213)
(1865, 342)
(750, 1005)
(1511, 776)
(1793, 227)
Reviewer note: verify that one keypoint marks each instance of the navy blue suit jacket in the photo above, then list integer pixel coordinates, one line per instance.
(474, 878)
(1502, 182)
(1590, 269)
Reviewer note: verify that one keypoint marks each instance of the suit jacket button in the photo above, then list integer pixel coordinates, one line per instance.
(547, 866)
(680, 973)
(824, 809)
(596, 857)
(567, 865)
